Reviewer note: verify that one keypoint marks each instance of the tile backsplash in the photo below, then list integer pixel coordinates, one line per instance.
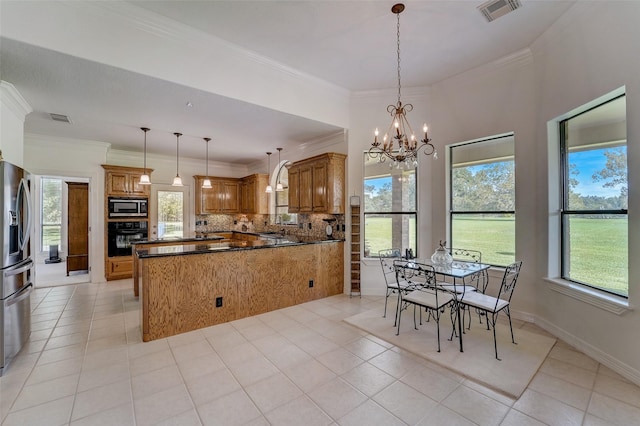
(309, 225)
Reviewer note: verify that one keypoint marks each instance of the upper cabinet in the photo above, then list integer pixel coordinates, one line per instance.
(125, 181)
(316, 184)
(253, 196)
(223, 197)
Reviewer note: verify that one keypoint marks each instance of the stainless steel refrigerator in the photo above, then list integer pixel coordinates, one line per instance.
(16, 265)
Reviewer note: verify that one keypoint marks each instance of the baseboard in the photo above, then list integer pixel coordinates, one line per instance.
(604, 358)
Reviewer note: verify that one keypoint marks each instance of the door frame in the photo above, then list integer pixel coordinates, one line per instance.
(153, 208)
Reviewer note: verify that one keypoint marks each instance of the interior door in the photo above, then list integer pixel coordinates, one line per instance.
(169, 214)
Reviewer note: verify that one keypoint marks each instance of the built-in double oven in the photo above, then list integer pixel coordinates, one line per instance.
(121, 235)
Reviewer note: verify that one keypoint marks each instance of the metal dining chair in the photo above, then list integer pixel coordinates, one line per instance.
(492, 306)
(387, 257)
(421, 280)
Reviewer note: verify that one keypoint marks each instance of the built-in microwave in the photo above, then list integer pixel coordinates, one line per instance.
(128, 207)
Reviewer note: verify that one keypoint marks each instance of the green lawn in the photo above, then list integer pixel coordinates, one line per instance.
(598, 247)
(50, 236)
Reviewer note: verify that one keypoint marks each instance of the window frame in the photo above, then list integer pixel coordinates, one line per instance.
(411, 213)
(565, 213)
(276, 217)
(450, 197)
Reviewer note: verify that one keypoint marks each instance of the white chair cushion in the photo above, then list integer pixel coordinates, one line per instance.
(428, 299)
(483, 301)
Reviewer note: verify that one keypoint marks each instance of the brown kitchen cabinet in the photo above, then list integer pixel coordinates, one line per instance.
(119, 267)
(125, 181)
(253, 199)
(318, 184)
(121, 181)
(294, 190)
(223, 197)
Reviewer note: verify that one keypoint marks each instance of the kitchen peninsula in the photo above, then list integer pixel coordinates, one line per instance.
(196, 284)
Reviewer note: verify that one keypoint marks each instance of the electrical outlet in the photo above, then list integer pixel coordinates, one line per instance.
(219, 302)
(310, 283)
(343, 227)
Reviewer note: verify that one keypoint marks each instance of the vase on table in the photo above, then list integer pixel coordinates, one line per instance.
(441, 257)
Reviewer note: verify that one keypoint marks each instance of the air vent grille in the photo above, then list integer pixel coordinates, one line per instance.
(494, 9)
(60, 117)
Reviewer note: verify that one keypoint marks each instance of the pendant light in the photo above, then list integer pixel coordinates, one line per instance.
(269, 189)
(144, 179)
(177, 181)
(279, 187)
(206, 184)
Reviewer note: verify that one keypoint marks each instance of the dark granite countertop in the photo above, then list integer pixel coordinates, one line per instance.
(212, 247)
(181, 240)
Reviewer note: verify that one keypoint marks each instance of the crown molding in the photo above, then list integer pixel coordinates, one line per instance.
(14, 100)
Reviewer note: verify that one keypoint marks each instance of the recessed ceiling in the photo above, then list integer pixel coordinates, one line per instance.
(350, 44)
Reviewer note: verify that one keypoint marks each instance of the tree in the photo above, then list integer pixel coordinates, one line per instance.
(488, 187)
(51, 201)
(615, 172)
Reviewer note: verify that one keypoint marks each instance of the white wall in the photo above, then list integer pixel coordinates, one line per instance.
(493, 99)
(45, 155)
(575, 62)
(368, 111)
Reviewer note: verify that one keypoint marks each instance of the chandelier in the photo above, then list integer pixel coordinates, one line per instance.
(402, 147)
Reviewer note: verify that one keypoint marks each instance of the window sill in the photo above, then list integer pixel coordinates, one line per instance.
(608, 302)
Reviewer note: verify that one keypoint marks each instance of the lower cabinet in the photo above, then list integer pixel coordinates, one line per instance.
(119, 267)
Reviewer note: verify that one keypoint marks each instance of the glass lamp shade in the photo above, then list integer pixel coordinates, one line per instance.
(279, 187)
(144, 180)
(177, 181)
(269, 189)
(206, 184)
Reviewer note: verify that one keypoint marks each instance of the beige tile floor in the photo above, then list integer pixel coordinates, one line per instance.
(86, 365)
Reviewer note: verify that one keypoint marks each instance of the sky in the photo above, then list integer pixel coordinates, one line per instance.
(588, 163)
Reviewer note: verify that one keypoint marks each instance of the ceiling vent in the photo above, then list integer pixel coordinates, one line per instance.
(494, 9)
(59, 117)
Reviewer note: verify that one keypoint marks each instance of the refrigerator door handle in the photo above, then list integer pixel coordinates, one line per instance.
(16, 270)
(21, 295)
(23, 191)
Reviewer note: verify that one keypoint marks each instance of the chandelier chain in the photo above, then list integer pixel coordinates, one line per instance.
(398, 45)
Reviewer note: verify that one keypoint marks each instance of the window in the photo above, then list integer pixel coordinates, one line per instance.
(594, 196)
(170, 214)
(482, 203)
(51, 212)
(282, 216)
(389, 208)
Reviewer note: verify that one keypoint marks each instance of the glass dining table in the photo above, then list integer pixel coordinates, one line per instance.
(461, 273)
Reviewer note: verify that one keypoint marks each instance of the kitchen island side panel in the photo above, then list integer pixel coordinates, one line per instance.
(179, 292)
